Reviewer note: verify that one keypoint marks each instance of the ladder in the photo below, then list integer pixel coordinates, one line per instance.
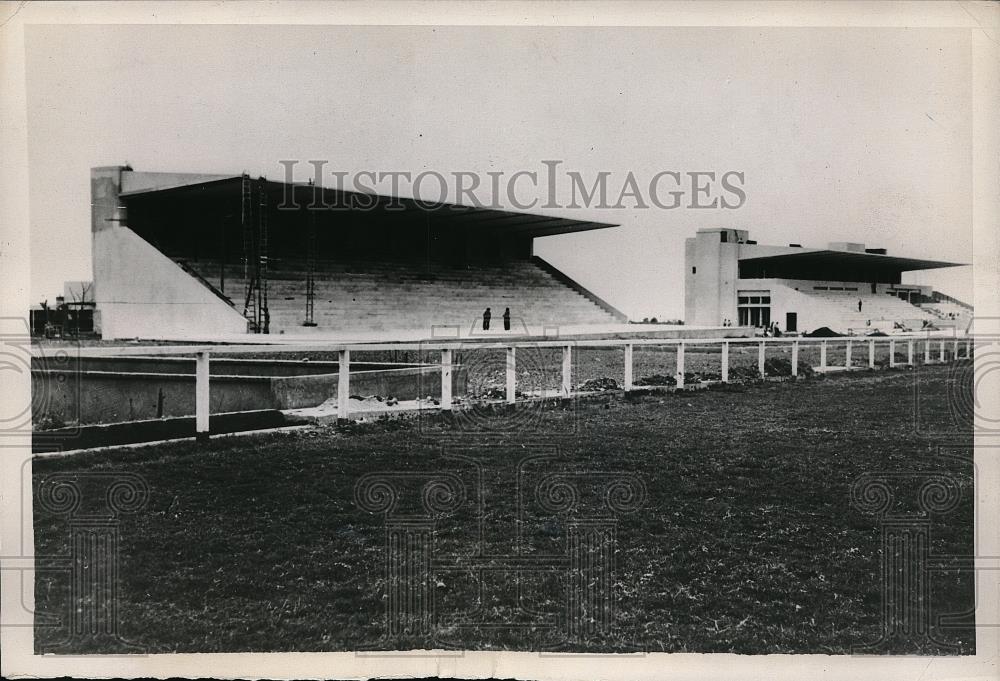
(250, 260)
(311, 268)
(264, 315)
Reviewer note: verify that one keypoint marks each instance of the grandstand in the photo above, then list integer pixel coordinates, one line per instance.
(846, 287)
(202, 256)
(401, 295)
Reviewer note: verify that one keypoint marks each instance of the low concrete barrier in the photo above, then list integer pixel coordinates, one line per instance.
(91, 397)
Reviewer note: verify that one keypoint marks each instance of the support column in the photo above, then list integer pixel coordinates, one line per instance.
(680, 365)
(942, 357)
(446, 380)
(968, 349)
(927, 351)
(822, 355)
(343, 385)
(725, 362)
(847, 354)
(909, 352)
(628, 367)
(511, 376)
(871, 354)
(795, 358)
(955, 350)
(567, 371)
(760, 359)
(201, 397)
(892, 353)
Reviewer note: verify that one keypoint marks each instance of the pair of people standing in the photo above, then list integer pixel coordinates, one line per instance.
(487, 315)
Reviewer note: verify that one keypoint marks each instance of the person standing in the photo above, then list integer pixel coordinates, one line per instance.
(486, 319)
(859, 305)
(506, 319)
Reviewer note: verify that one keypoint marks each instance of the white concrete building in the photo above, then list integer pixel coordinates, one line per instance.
(731, 279)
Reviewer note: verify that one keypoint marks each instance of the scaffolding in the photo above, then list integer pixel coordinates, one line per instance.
(255, 255)
(310, 268)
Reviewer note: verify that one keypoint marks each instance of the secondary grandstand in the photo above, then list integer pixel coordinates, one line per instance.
(202, 256)
(846, 287)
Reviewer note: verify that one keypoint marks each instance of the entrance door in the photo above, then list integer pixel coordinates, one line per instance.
(791, 321)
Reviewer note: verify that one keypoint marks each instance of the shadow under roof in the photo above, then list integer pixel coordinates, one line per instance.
(326, 198)
(829, 258)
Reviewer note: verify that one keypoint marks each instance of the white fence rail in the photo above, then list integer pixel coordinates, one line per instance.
(935, 351)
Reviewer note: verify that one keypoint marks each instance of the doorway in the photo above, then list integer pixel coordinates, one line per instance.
(791, 321)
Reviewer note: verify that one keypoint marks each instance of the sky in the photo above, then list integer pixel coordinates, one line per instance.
(842, 134)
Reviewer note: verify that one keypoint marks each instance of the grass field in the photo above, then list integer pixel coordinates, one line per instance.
(746, 541)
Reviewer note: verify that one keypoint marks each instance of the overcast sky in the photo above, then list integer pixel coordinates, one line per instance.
(842, 134)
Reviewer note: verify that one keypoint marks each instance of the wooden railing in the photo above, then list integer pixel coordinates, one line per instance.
(936, 350)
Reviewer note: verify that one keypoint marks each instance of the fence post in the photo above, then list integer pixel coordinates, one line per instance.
(871, 354)
(567, 371)
(847, 354)
(760, 359)
(511, 375)
(892, 353)
(680, 365)
(795, 358)
(725, 362)
(822, 355)
(343, 385)
(628, 367)
(202, 393)
(909, 352)
(446, 380)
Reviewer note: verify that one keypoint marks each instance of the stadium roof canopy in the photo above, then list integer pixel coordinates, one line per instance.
(228, 188)
(834, 265)
(850, 258)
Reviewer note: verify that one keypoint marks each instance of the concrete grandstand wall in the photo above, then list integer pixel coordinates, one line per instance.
(142, 293)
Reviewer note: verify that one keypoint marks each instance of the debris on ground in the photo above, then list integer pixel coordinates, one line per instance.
(599, 385)
(656, 379)
(779, 366)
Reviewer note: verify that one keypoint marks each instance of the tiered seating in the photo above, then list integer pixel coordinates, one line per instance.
(878, 310)
(393, 295)
(949, 313)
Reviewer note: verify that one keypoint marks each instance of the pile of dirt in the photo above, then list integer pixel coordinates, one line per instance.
(599, 385)
(779, 366)
(823, 332)
(656, 379)
(743, 374)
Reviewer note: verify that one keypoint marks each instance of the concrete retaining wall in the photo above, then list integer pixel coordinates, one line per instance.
(85, 397)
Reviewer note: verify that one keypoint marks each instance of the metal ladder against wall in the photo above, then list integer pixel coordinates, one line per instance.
(250, 260)
(264, 315)
(310, 268)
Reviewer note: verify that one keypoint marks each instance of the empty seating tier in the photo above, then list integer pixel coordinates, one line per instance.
(381, 296)
(878, 310)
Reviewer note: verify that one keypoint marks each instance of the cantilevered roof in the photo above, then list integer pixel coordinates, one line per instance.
(828, 258)
(223, 187)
